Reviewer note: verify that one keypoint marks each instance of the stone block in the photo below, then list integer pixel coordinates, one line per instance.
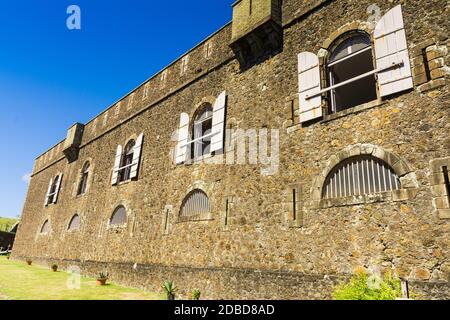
(439, 190)
(442, 202)
(420, 79)
(437, 165)
(438, 73)
(437, 178)
(444, 214)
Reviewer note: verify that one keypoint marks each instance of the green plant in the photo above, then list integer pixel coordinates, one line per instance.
(196, 294)
(103, 275)
(169, 290)
(369, 287)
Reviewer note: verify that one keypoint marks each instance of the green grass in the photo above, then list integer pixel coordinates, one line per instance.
(7, 223)
(18, 281)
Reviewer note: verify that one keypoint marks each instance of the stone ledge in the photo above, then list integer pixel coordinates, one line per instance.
(353, 110)
(443, 214)
(196, 218)
(389, 196)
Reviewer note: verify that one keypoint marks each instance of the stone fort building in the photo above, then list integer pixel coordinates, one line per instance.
(301, 141)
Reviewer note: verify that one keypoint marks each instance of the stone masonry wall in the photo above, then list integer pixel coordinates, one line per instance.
(261, 248)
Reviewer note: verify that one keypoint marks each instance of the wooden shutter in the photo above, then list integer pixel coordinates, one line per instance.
(391, 47)
(47, 199)
(183, 139)
(58, 187)
(115, 175)
(308, 84)
(136, 156)
(218, 123)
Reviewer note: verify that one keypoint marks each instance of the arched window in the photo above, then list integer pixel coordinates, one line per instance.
(127, 161)
(202, 126)
(84, 179)
(360, 175)
(350, 59)
(74, 223)
(196, 203)
(119, 217)
(45, 227)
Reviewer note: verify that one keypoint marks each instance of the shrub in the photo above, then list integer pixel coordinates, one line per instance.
(170, 290)
(196, 294)
(103, 275)
(364, 287)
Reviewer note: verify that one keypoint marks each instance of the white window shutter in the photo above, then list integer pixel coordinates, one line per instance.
(118, 159)
(58, 187)
(308, 84)
(391, 47)
(136, 156)
(218, 123)
(47, 199)
(183, 139)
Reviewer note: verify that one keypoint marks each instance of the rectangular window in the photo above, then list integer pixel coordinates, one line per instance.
(426, 64)
(294, 204)
(447, 182)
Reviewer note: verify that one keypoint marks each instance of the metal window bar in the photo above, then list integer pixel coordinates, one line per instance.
(362, 76)
(197, 203)
(351, 55)
(360, 176)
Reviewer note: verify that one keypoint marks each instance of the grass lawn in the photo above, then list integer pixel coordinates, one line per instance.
(18, 281)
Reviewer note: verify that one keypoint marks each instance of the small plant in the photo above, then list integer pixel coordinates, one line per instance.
(8, 255)
(29, 262)
(102, 278)
(196, 294)
(169, 290)
(369, 287)
(54, 267)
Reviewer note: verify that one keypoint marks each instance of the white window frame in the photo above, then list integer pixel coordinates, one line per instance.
(126, 166)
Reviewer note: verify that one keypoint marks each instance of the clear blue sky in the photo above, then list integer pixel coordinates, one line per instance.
(51, 77)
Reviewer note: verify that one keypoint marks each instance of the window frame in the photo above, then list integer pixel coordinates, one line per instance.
(195, 142)
(53, 190)
(124, 170)
(45, 224)
(70, 223)
(329, 79)
(115, 211)
(367, 181)
(201, 216)
(84, 179)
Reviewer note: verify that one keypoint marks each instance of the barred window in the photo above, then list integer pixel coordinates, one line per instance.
(361, 175)
(74, 223)
(196, 203)
(119, 217)
(45, 227)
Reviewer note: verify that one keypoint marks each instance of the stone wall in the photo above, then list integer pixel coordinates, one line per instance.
(405, 233)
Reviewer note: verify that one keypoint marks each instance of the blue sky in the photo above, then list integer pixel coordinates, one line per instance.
(52, 77)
